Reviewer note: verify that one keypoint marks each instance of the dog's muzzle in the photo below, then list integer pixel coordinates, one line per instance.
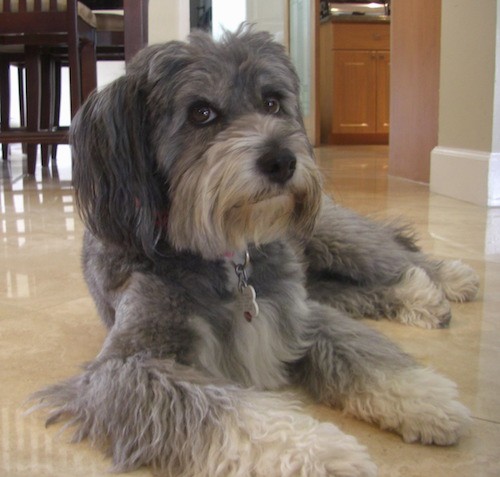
(256, 182)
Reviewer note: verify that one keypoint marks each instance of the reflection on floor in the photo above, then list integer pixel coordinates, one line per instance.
(48, 325)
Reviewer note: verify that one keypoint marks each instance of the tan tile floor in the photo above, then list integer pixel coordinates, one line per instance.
(48, 325)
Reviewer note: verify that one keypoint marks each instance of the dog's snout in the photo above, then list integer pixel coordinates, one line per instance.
(278, 166)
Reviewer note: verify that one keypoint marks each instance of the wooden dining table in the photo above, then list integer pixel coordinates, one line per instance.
(135, 19)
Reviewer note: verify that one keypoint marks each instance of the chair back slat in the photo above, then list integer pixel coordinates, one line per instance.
(23, 6)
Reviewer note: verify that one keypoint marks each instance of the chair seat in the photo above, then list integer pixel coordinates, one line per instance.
(11, 49)
(110, 37)
(85, 13)
(109, 21)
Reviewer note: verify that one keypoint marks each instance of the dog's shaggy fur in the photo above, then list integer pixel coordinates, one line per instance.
(195, 157)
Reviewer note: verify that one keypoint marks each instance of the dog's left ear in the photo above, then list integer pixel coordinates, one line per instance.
(119, 192)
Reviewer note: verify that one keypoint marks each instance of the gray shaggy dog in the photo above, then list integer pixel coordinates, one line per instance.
(223, 273)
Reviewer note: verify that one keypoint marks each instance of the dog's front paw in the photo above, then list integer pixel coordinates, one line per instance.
(436, 423)
(418, 404)
(278, 440)
(419, 301)
(428, 411)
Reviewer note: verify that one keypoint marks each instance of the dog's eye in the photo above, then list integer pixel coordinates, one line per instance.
(202, 113)
(271, 105)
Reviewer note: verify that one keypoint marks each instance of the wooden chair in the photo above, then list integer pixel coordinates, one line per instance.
(8, 58)
(42, 30)
(122, 27)
(121, 31)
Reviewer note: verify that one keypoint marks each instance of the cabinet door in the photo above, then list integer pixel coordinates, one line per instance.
(355, 92)
(383, 91)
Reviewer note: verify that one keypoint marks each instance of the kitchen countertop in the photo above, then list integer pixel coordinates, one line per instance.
(348, 18)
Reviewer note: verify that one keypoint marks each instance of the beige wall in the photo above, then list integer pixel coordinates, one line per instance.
(466, 163)
(496, 100)
(468, 38)
(168, 20)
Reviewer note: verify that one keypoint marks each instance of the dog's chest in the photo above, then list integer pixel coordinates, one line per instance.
(257, 329)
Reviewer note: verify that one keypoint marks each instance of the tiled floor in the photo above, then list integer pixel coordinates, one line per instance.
(48, 325)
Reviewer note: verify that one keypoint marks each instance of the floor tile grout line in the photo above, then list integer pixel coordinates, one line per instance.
(484, 419)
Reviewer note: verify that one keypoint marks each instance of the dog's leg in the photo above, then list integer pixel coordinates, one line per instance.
(414, 300)
(145, 408)
(352, 367)
(159, 413)
(357, 249)
(371, 270)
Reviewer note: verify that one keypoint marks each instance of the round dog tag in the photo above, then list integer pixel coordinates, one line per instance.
(247, 303)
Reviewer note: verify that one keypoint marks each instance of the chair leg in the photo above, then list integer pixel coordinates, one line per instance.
(89, 69)
(22, 100)
(4, 103)
(47, 107)
(56, 101)
(75, 83)
(32, 101)
(22, 92)
(5, 151)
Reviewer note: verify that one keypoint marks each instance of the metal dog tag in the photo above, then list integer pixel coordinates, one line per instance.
(247, 303)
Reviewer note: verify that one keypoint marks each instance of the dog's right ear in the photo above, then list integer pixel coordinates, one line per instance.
(110, 162)
(119, 192)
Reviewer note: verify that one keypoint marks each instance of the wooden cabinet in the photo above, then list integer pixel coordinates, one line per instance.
(354, 85)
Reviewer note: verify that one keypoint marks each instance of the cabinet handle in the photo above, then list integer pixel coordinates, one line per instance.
(374, 55)
(377, 36)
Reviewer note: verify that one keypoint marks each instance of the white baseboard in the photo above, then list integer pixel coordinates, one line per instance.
(472, 176)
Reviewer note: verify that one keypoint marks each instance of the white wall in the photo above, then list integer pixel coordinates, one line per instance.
(169, 20)
(227, 15)
(268, 15)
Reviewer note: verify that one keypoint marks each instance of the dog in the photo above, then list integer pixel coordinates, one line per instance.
(224, 273)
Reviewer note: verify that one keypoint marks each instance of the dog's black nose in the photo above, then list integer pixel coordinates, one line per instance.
(278, 166)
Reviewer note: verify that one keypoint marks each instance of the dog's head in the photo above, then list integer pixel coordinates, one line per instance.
(201, 144)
